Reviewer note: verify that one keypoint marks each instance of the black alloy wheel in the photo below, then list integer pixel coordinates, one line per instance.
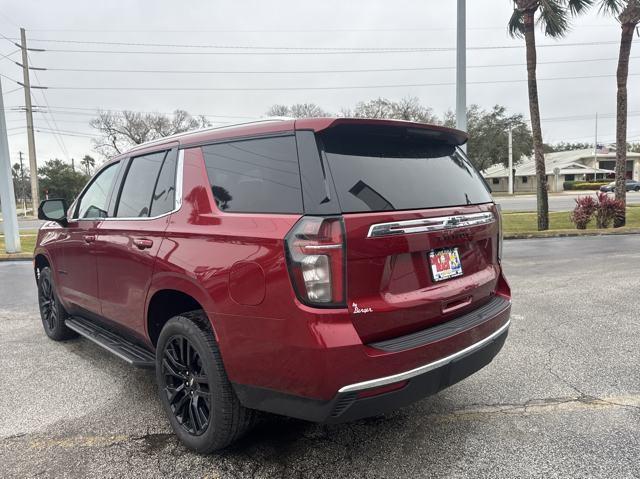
(52, 312)
(47, 301)
(186, 385)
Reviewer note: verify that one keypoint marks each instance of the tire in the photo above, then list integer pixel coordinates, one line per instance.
(189, 365)
(52, 312)
(636, 189)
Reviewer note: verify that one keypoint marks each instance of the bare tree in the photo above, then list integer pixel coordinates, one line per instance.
(298, 110)
(122, 130)
(408, 108)
(377, 108)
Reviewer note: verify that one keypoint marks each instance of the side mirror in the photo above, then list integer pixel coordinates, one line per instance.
(53, 210)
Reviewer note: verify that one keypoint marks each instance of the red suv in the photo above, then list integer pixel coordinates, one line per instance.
(325, 269)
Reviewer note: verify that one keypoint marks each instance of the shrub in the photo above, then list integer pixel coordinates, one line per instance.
(584, 186)
(583, 212)
(608, 210)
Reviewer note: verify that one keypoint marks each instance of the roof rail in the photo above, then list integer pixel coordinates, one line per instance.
(204, 130)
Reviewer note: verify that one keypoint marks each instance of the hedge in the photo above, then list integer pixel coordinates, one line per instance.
(580, 185)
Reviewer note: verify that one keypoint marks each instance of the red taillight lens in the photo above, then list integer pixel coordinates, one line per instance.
(315, 255)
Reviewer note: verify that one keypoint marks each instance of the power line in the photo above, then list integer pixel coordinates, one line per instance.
(9, 78)
(287, 30)
(287, 72)
(9, 54)
(59, 140)
(312, 49)
(311, 88)
(321, 50)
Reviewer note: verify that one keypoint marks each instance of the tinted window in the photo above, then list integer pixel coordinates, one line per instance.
(164, 194)
(398, 168)
(259, 176)
(95, 200)
(139, 184)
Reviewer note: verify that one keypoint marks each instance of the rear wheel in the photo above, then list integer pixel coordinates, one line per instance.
(52, 312)
(195, 392)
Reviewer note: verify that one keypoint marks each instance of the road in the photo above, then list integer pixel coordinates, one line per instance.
(561, 400)
(559, 202)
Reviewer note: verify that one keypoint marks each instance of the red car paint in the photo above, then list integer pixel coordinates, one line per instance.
(234, 265)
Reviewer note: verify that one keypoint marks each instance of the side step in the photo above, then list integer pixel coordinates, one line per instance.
(112, 342)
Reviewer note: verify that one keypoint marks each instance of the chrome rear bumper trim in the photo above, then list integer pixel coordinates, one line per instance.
(373, 383)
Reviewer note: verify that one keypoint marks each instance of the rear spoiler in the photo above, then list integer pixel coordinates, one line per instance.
(449, 136)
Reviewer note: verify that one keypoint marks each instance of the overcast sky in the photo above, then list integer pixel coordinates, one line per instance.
(331, 24)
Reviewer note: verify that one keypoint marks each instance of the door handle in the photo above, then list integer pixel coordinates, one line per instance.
(89, 238)
(143, 243)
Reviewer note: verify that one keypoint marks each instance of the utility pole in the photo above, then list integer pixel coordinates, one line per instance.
(23, 194)
(595, 151)
(7, 196)
(510, 160)
(461, 69)
(33, 163)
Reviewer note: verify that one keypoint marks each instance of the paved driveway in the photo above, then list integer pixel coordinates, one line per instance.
(561, 400)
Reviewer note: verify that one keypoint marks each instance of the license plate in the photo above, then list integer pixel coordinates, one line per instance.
(445, 264)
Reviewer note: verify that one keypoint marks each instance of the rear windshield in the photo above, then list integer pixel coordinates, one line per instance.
(398, 168)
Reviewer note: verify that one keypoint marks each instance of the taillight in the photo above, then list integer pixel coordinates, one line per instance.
(315, 250)
(500, 235)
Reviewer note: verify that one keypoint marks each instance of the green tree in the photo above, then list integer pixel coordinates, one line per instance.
(59, 180)
(488, 136)
(553, 18)
(566, 146)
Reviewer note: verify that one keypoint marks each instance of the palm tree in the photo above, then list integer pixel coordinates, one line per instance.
(88, 163)
(553, 17)
(627, 12)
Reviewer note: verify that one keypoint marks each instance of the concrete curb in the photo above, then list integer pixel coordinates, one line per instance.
(571, 233)
(16, 257)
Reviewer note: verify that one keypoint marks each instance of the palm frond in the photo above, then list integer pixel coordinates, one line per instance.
(515, 26)
(576, 7)
(553, 18)
(611, 7)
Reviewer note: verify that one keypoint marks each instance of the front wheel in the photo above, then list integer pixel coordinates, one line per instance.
(195, 392)
(52, 312)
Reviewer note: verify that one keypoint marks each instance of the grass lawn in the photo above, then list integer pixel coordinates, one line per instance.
(528, 222)
(27, 241)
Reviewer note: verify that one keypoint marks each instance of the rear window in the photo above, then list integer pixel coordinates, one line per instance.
(255, 176)
(397, 168)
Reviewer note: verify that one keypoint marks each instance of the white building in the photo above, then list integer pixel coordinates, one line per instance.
(575, 165)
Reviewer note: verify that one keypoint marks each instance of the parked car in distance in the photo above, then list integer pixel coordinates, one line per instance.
(630, 185)
(326, 269)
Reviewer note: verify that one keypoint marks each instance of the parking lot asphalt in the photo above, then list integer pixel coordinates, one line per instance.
(561, 400)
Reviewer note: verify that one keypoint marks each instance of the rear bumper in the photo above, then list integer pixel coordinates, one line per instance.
(416, 383)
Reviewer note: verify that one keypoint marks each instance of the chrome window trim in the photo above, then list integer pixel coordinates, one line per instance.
(177, 203)
(423, 225)
(426, 368)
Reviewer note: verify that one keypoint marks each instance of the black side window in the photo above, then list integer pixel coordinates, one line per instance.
(95, 200)
(139, 184)
(164, 195)
(257, 176)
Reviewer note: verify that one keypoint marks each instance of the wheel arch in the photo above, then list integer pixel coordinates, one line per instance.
(41, 260)
(170, 296)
